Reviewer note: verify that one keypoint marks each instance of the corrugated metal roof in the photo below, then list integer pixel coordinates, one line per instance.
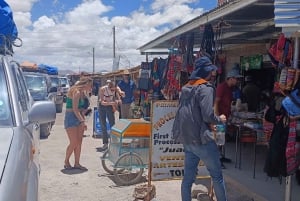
(250, 21)
(287, 13)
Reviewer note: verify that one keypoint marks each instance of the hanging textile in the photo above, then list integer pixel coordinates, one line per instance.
(172, 77)
(208, 43)
(293, 148)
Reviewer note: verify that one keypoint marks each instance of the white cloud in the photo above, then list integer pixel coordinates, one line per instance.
(66, 39)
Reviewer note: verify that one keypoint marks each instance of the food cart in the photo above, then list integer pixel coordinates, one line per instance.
(128, 152)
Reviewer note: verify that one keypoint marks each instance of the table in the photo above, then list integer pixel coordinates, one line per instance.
(255, 134)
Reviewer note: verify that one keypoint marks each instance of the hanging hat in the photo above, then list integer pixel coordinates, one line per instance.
(203, 67)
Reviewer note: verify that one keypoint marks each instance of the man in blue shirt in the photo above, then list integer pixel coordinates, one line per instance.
(128, 86)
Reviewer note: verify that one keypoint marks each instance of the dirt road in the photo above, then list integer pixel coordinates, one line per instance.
(57, 184)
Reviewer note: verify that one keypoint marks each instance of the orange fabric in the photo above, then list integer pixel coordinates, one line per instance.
(196, 82)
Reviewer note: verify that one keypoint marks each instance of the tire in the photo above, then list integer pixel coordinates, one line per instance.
(107, 165)
(132, 168)
(45, 130)
(59, 108)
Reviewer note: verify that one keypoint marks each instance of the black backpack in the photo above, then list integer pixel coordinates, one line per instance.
(275, 164)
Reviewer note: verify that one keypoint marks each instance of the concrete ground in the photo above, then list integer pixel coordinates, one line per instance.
(95, 184)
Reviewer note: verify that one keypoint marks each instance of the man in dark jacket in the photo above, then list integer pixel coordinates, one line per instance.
(194, 127)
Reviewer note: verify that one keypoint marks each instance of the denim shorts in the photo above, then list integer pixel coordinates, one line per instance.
(71, 120)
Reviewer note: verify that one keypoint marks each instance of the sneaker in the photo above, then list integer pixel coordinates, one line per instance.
(223, 166)
(105, 146)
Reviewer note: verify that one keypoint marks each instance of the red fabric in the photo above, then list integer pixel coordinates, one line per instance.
(224, 93)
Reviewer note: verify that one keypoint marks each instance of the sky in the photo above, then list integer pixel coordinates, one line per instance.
(64, 33)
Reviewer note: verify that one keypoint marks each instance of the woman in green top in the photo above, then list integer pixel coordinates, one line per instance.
(74, 122)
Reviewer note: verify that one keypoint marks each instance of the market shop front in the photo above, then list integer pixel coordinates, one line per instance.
(240, 37)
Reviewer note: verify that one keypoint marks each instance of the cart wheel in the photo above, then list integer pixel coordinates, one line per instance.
(132, 166)
(107, 164)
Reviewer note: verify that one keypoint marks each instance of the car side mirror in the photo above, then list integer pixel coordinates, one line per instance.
(53, 89)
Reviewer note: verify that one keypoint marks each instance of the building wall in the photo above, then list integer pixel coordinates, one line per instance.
(233, 54)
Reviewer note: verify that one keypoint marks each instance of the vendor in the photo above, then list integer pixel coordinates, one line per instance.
(251, 94)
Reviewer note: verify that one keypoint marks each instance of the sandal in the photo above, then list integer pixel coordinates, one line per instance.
(68, 167)
(80, 167)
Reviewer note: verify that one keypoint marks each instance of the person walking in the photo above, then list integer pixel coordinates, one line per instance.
(109, 98)
(127, 86)
(194, 127)
(74, 121)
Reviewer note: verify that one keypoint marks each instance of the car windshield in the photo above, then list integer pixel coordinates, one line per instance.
(5, 111)
(36, 82)
(64, 80)
(54, 81)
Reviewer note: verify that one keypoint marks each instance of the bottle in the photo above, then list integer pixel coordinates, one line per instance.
(238, 105)
(220, 134)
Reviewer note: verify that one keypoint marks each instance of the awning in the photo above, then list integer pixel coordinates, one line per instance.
(247, 21)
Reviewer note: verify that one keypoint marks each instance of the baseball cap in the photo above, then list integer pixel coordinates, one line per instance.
(234, 73)
(203, 66)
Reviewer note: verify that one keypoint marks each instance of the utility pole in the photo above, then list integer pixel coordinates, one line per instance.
(114, 42)
(93, 60)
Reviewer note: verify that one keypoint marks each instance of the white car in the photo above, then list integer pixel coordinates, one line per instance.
(20, 119)
(65, 86)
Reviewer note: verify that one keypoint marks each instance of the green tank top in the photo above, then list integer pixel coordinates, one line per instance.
(69, 103)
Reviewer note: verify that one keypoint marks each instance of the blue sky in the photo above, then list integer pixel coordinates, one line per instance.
(121, 7)
(63, 32)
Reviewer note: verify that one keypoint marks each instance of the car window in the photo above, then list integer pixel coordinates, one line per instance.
(22, 92)
(5, 109)
(64, 81)
(54, 81)
(36, 82)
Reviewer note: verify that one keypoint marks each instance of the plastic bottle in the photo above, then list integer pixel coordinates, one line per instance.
(220, 134)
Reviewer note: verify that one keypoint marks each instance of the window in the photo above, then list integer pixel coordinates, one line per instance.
(5, 109)
(23, 96)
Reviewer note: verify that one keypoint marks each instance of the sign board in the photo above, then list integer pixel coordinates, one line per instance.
(251, 62)
(167, 156)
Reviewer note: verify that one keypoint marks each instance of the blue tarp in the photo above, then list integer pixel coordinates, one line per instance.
(8, 27)
(51, 70)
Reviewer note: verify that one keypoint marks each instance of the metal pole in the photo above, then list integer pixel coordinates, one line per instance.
(93, 60)
(114, 42)
(288, 180)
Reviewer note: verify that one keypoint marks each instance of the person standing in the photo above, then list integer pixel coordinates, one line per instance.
(194, 126)
(224, 97)
(74, 121)
(251, 94)
(109, 99)
(127, 86)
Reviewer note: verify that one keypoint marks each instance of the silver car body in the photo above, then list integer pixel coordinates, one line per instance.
(20, 117)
